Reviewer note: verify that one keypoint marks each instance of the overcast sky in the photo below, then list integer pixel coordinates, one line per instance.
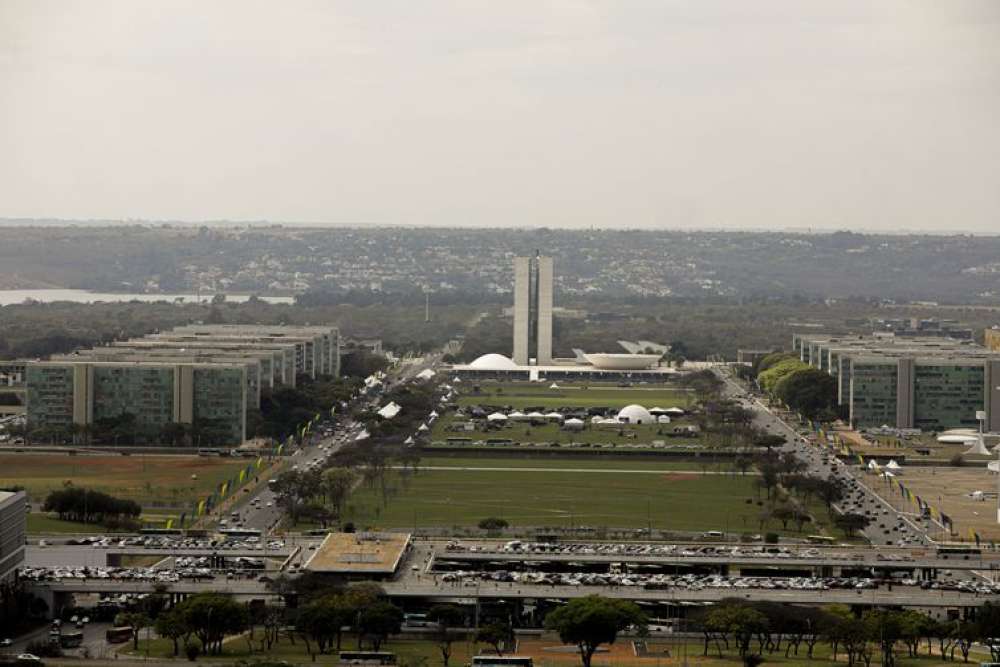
(862, 114)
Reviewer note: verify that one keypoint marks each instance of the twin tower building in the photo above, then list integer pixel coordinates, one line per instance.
(532, 311)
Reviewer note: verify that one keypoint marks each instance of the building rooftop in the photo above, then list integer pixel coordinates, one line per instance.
(368, 553)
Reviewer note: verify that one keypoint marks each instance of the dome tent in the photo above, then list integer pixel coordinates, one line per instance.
(635, 414)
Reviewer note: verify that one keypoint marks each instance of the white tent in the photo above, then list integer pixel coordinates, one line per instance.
(888, 475)
(535, 415)
(674, 411)
(978, 447)
(596, 419)
(517, 416)
(555, 416)
(425, 374)
(993, 466)
(496, 417)
(872, 465)
(389, 411)
(553, 386)
(433, 413)
(364, 435)
(574, 424)
(892, 465)
(408, 441)
(657, 411)
(423, 428)
(662, 419)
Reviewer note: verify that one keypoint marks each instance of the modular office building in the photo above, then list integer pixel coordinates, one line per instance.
(929, 384)
(62, 394)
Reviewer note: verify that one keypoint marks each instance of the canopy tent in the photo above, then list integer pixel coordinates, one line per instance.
(555, 416)
(517, 416)
(892, 465)
(978, 447)
(409, 441)
(496, 417)
(423, 428)
(662, 419)
(553, 386)
(389, 411)
(675, 411)
(574, 424)
(425, 374)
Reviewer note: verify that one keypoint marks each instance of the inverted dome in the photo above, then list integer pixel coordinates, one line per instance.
(635, 414)
(617, 361)
(493, 362)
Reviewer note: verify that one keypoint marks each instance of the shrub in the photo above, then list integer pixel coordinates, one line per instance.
(493, 523)
(771, 538)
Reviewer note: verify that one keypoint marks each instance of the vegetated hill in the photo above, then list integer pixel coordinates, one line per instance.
(395, 265)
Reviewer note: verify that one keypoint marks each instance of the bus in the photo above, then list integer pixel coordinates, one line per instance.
(958, 551)
(240, 532)
(71, 639)
(118, 635)
(367, 658)
(502, 661)
(418, 621)
(820, 539)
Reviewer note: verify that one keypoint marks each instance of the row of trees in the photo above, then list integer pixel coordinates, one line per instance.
(79, 504)
(803, 388)
(759, 628)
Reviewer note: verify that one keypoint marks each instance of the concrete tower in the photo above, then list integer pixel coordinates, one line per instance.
(544, 355)
(532, 310)
(522, 309)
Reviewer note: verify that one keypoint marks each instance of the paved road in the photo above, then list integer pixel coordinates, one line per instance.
(259, 510)
(890, 527)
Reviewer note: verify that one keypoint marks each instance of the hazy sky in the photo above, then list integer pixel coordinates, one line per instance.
(863, 114)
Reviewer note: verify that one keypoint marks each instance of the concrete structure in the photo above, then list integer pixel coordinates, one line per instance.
(927, 383)
(363, 556)
(991, 339)
(533, 290)
(64, 394)
(12, 530)
(205, 376)
(498, 367)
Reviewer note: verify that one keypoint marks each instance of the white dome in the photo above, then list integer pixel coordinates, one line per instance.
(635, 414)
(493, 362)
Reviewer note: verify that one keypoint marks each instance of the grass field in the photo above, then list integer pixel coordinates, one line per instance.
(149, 480)
(617, 463)
(525, 432)
(527, 394)
(674, 500)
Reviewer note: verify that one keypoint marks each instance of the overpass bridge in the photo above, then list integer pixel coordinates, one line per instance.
(924, 568)
(57, 593)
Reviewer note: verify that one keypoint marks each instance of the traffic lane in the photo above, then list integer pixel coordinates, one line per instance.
(771, 422)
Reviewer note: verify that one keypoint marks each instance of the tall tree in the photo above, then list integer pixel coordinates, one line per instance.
(591, 621)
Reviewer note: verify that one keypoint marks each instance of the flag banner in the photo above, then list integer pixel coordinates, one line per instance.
(170, 523)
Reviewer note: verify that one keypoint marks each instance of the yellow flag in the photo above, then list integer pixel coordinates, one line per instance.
(170, 524)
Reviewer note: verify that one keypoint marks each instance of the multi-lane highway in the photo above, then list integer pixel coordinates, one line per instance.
(888, 526)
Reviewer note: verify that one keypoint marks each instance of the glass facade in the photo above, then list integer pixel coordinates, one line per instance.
(144, 391)
(50, 395)
(873, 394)
(218, 396)
(947, 396)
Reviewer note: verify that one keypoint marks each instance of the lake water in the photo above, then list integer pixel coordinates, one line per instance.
(15, 296)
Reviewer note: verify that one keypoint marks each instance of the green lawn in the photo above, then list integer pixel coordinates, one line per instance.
(610, 462)
(149, 480)
(551, 498)
(527, 394)
(525, 432)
